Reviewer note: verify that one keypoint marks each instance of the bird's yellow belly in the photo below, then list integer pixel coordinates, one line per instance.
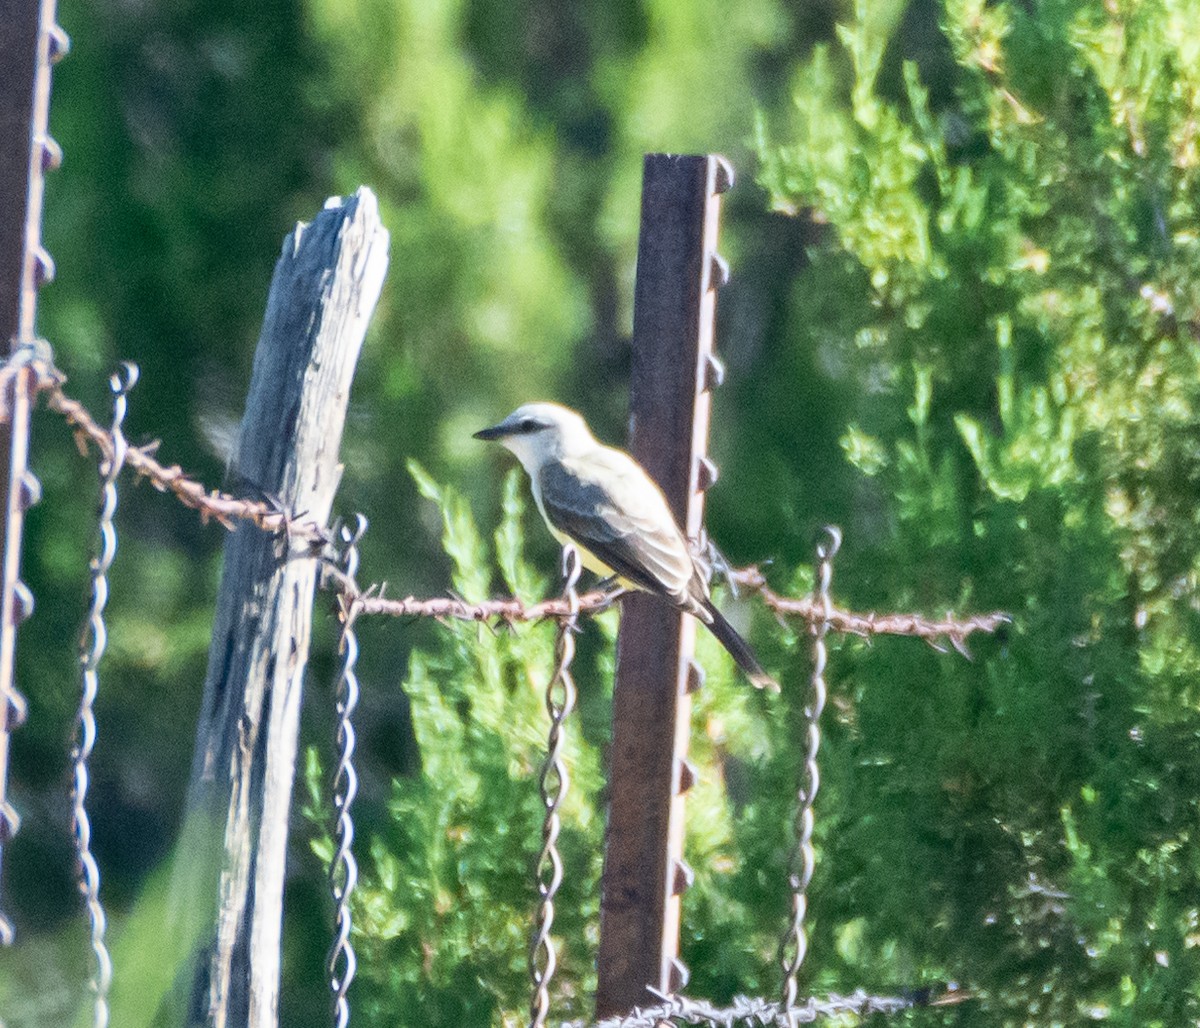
(590, 560)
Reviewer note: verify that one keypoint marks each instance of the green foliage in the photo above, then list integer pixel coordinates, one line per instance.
(1014, 255)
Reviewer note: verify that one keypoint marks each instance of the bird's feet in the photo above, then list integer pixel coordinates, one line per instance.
(610, 592)
(712, 563)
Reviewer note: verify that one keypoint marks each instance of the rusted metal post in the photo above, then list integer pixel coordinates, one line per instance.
(30, 41)
(674, 368)
(232, 857)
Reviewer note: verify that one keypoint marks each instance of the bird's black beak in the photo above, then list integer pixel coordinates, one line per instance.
(495, 432)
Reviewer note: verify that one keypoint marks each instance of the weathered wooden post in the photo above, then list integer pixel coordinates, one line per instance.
(325, 288)
(30, 41)
(674, 367)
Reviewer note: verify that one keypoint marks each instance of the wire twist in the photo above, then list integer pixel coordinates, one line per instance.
(794, 945)
(343, 869)
(560, 701)
(92, 646)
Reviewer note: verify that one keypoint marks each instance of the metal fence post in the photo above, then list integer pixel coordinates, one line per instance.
(30, 41)
(674, 367)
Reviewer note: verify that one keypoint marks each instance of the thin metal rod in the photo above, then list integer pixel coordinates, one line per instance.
(92, 646)
(555, 781)
(794, 945)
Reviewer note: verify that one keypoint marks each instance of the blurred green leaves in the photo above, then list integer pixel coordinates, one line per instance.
(1024, 231)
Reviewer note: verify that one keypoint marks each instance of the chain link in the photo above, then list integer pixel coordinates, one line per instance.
(343, 869)
(92, 645)
(560, 701)
(794, 945)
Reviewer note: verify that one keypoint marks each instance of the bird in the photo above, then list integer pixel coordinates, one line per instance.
(602, 501)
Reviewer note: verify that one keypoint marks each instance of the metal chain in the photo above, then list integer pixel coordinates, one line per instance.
(560, 701)
(343, 869)
(794, 945)
(92, 645)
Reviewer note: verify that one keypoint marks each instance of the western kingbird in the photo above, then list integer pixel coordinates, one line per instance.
(604, 503)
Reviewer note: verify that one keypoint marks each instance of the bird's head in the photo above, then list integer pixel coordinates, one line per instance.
(537, 432)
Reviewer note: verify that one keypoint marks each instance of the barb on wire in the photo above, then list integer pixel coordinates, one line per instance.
(211, 504)
(560, 700)
(932, 630)
(794, 944)
(92, 645)
(343, 869)
(751, 1011)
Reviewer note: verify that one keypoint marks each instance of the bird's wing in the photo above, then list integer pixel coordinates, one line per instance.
(605, 502)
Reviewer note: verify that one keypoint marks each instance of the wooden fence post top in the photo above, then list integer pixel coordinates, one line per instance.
(323, 293)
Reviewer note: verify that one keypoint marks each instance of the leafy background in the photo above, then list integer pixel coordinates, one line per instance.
(962, 324)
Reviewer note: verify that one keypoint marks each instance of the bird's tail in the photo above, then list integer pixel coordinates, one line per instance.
(738, 648)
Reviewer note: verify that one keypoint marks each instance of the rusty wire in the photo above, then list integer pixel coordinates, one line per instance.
(554, 782)
(92, 646)
(228, 510)
(794, 945)
(343, 868)
(211, 504)
(952, 629)
(507, 610)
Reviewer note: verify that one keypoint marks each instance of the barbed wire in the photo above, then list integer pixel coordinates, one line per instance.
(92, 645)
(227, 509)
(343, 868)
(553, 785)
(211, 504)
(454, 608)
(953, 630)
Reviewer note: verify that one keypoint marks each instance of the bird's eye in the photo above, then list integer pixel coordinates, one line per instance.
(527, 425)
